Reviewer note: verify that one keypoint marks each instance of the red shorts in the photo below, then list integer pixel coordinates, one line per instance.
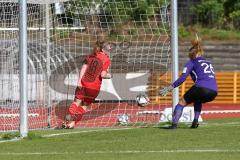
(86, 94)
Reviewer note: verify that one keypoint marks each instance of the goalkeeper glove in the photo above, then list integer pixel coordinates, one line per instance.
(164, 91)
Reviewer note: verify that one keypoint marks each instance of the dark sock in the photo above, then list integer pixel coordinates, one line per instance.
(196, 116)
(197, 111)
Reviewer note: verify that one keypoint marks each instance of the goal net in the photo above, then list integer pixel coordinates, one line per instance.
(60, 34)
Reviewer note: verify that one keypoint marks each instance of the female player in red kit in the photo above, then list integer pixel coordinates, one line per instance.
(94, 69)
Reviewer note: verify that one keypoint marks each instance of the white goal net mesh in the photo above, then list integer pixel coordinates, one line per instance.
(60, 34)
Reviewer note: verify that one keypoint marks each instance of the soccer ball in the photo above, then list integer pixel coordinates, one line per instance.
(123, 119)
(142, 99)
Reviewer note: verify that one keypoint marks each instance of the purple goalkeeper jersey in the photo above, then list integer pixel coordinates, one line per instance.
(202, 73)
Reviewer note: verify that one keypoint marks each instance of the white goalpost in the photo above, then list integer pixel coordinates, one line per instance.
(59, 34)
(174, 47)
(23, 68)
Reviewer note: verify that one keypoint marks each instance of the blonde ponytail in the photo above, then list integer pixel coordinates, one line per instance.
(196, 49)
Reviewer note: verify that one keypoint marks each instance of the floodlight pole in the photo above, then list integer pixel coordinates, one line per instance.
(174, 50)
(23, 68)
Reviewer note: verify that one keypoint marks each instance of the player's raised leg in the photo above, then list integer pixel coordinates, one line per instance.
(75, 113)
(75, 110)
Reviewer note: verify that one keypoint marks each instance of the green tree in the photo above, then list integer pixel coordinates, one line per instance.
(119, 15)
(143, 11)
(210, 12)
(232, 12)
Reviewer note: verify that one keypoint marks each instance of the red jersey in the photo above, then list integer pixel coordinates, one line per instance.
(96, 63)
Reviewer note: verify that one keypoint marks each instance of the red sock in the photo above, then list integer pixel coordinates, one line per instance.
(76, 111)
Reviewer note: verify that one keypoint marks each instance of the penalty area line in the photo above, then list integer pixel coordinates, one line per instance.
(124, 152)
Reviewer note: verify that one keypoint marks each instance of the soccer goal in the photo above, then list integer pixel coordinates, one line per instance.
(60, 33)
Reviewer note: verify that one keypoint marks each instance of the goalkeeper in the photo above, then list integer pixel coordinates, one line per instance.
(204, 88)
(94, 69)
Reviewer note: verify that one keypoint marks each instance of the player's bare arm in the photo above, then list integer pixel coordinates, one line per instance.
(106, 75)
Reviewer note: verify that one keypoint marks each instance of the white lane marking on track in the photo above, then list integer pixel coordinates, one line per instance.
(220, 111)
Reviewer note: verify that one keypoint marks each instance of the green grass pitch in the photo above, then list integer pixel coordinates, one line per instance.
(213, 140)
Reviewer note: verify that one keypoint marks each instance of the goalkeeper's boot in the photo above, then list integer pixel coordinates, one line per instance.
(173, 126)
(195, 124)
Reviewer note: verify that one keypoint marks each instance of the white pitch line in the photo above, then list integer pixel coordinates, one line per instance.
(166, 151)
(124, 152)
(113, 129)
(85, 131)
(10, 140)
(69, 133)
